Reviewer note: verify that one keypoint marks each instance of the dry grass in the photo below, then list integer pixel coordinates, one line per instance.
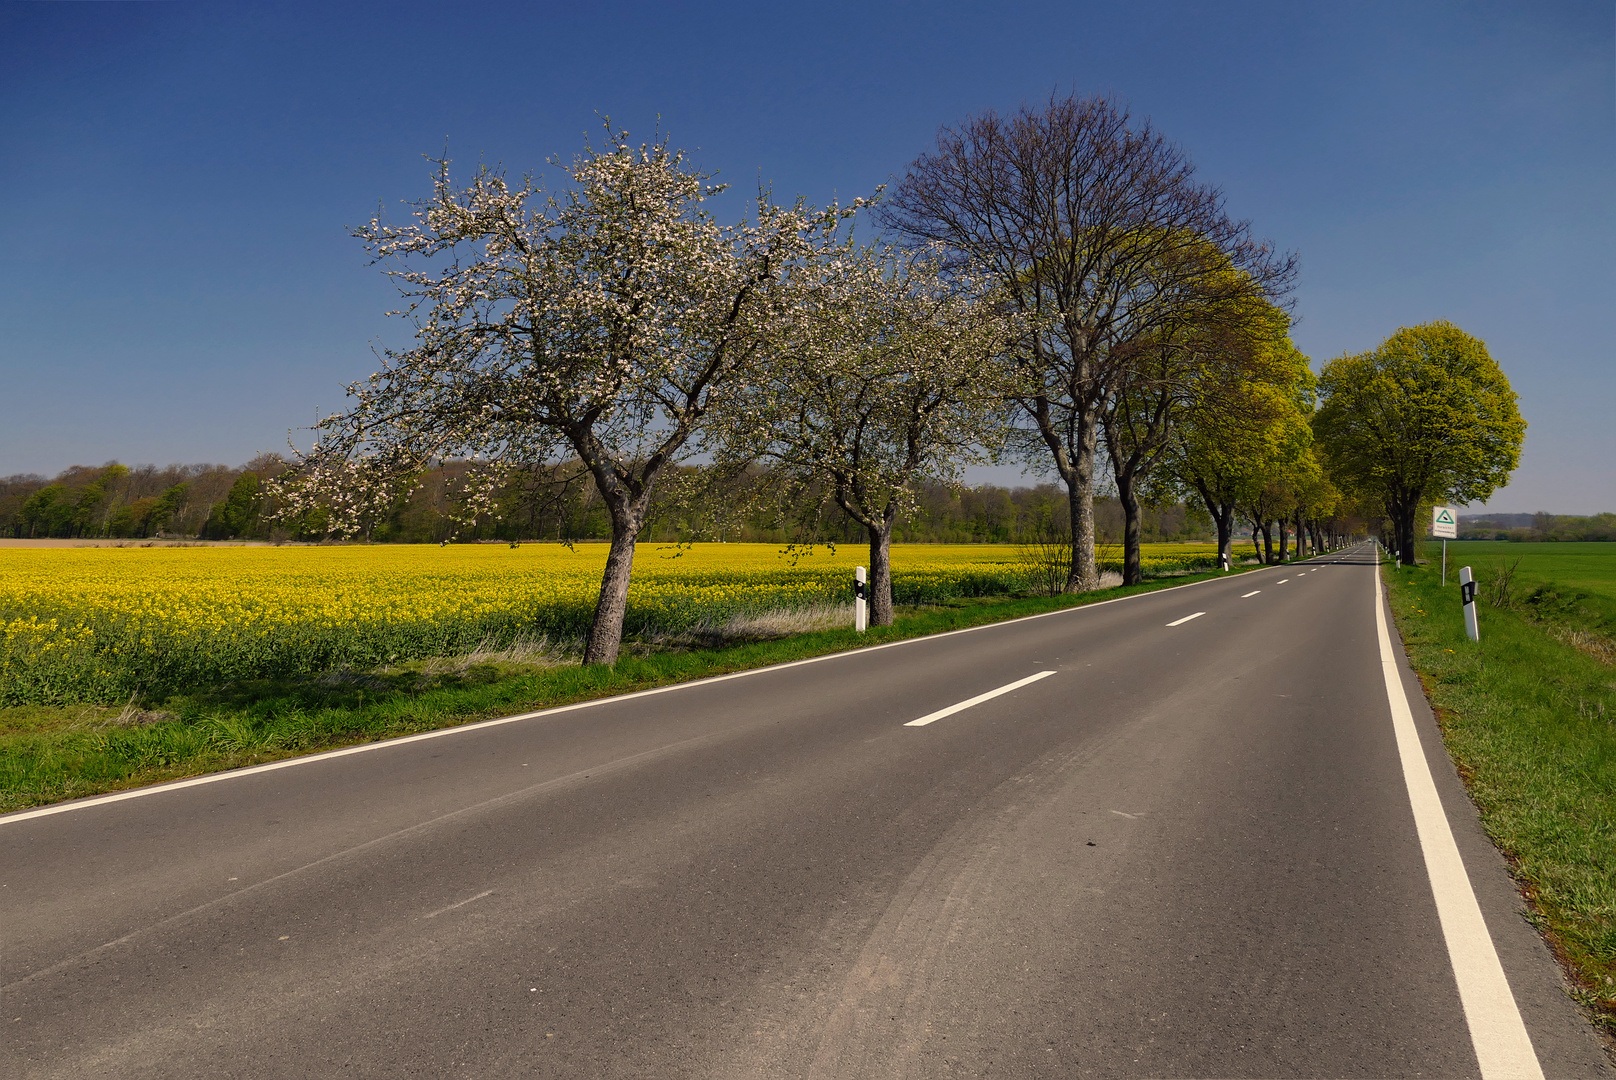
(768, 625)
(98, 717)
(132, 715)
(760, 626)
(1598, 646)
(527, 652)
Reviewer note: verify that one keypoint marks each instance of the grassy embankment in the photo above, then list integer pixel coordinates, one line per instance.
(1529, 714)
(54, 752)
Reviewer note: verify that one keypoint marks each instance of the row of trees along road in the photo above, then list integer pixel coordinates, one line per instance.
(1062, 289)
(1115, 257)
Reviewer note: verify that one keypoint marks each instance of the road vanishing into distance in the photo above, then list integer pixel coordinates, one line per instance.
(1195, 835)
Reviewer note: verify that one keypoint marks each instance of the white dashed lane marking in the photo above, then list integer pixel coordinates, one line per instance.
(977, 700)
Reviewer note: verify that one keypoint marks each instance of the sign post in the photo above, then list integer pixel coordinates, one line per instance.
(1445, 523)
(860, 592)
(1467, 596)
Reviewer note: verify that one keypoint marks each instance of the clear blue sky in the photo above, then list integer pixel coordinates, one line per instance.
(177, 282)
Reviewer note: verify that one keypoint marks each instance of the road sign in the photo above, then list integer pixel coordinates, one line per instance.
(1445, 522)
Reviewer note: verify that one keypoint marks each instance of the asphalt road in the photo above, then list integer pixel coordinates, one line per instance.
(1188, 852)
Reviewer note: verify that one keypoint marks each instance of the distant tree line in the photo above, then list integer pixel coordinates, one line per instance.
(217, 502)
(1538, 527)
(143, 501)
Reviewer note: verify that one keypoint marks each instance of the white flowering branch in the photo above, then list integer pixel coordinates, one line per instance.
(608, 321)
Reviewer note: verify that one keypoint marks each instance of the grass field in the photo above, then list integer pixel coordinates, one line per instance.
(1529, 713)
(1590, 567)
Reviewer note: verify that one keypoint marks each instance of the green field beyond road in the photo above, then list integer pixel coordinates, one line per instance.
(1529, 713)
(1581, 566)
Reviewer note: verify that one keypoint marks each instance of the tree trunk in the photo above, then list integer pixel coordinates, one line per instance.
(1132, 570)
(1404, 517)
(1268, 544)
(1224, 516)
(881, 569)
(1284, 535)
(606, 632)
(1083, 574)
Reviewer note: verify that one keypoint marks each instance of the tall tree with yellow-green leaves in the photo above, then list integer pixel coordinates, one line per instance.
(1428, 416)
(1232, 444)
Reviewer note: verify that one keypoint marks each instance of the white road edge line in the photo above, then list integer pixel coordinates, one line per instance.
(1185, 619)
(1253, 592)
(930, 718)
(365, 748)
(1503, 1048)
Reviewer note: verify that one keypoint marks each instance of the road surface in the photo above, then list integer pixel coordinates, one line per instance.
(1191, 849)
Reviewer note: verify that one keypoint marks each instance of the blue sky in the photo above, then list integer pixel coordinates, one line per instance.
(177, 282)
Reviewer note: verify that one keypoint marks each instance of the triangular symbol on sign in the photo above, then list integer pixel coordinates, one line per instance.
(1444, 517)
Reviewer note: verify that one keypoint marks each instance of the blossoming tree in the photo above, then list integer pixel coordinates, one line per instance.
(888, 371)
(608, 322)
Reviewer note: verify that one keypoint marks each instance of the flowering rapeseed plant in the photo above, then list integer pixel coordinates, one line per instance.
(97, 624)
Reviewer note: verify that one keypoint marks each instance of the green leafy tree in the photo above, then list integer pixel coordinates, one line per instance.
(96, 500)
(238, 513)
(1285, 467)
(149, 515)
(1427, 416)
(46, 511)
(1209, 367)
(169, 504)
(132, 518)
(1317, 501)
(1228, 445)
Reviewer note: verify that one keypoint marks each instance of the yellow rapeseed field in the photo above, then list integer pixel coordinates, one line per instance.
(97, 624)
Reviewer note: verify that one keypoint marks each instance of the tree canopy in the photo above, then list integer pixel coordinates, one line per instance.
(1428, 416)
(890, 372)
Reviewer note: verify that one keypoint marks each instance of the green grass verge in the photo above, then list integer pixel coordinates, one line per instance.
(1529, 715)
(50, 753)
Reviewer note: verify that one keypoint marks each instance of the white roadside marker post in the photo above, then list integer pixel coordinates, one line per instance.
(1467, 596)
(861, 590)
